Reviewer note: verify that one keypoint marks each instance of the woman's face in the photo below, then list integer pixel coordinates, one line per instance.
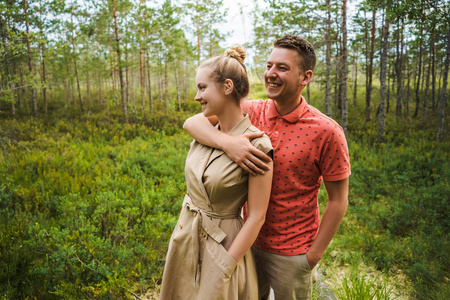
(210, 95)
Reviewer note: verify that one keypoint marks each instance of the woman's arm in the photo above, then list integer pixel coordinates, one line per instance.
(258, 199)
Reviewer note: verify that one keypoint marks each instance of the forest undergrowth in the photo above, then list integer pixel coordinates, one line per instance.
(87, 206)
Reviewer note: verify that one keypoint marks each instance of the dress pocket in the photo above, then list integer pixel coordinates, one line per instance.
(220, 256)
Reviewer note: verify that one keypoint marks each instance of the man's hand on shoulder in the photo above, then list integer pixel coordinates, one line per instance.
(241, 151)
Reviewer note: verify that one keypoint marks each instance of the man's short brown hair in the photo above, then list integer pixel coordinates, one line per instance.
(303, 48)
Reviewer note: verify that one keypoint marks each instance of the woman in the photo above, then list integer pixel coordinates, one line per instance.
(209, 253)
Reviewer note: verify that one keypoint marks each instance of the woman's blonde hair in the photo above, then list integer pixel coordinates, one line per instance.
(230, 66)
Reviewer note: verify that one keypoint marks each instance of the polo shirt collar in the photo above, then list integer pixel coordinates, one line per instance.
(291, 117)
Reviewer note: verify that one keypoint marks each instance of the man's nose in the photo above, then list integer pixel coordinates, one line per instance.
(270, 72)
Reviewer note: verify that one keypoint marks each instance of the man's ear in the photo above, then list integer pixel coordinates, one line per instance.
(307, 76)
(228, 86)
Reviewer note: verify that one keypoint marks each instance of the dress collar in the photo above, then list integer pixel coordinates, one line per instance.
(240, 127)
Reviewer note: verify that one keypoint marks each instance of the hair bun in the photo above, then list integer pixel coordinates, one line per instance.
(236, 52)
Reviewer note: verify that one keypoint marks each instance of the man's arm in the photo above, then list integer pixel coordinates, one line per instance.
(238, 148)
(331, 219)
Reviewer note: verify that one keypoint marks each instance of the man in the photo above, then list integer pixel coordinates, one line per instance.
(308, 147)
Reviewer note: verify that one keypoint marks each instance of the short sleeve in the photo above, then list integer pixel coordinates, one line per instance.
(263, 143)
(335, 162)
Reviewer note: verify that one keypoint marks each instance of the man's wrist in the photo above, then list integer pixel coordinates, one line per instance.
(313, 258)
(223, 141)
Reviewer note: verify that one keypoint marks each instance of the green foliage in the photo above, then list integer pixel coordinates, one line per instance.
(399, 195)
(360, 286)
(87, 207)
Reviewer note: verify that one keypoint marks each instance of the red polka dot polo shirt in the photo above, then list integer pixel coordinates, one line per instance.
(308, 147)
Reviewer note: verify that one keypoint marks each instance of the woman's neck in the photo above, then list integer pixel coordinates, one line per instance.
(230, 117)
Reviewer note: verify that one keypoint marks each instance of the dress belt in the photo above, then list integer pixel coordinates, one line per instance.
(202, 219)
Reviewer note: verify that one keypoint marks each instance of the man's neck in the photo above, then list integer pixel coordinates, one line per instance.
(285, 108)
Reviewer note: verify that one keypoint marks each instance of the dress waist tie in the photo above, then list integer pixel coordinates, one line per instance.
(203, 219)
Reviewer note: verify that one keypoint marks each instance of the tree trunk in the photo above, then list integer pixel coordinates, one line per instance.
(76, 71)
(127, 82)
(17, 85)
(338, 73)
(370, 71)
(166, 86)
(355, 81)
(427, 85)
(399, 71)
(141, 72)
(177, 85)
(210, 45)
(433, 71)
(343, 86)
(199, 41)
(30, 60)
(99, 89)
(388, 93)
(149, 77)
(419, 73)
(444, 91)
(44, 75)
(408, 83)
(122, 83)
(328, 62)
(160, 79)
(383, 69)
(9, 75)
(113, 70)
(88, 87)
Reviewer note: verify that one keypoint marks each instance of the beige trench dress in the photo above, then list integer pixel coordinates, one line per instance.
(198, 265)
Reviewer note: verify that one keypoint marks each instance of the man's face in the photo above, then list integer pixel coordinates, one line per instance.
(283, 76)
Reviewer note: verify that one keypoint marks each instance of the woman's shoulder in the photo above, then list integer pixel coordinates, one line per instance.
(262, 143)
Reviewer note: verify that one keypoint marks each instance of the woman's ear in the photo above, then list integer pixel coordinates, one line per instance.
(228, 86)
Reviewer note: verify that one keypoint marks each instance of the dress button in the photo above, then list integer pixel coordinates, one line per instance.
(203, 233)
(276, 132)
(181, 226)
(280, 119)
